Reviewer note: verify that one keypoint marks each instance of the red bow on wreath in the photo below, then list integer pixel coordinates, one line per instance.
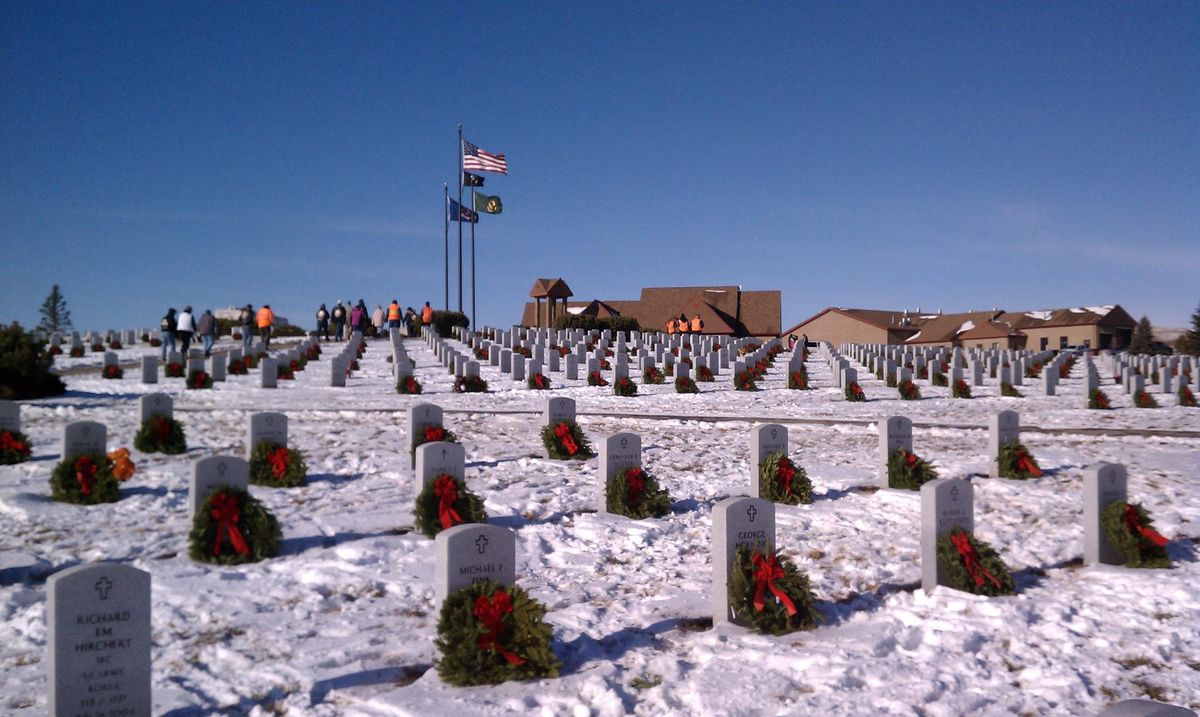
(539, 381)
(910, 458)
(490, 613)
(785, 473)
(278, 459)
(970, 558)
(435, 433)
(9, 443)
(766, 571)
(446, 491)
(1134, 521)
(563, 432)
(85, 473)
(1025, 464)
(161, 429)
(636, 480)
(225, 512)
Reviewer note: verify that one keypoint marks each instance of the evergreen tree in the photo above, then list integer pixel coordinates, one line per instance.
(55, 316)
(1142, 341)
(25, 366)
(1189, 343)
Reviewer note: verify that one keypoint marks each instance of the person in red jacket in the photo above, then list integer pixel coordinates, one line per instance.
(265, 319)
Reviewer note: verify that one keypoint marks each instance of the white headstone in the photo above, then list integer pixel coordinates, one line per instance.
(266, 426)
(556, 410)
(270, 374)
(216, 367)
(471, 553)
(438, 457)
(212, 472)
(617, 452)
(156, 404)
(420, 417)
(84, 437)
(737, 522)
(894, 433)
(1103, 484)
(10, 416)
(765, 439)
(946, 503)
(1004, 427)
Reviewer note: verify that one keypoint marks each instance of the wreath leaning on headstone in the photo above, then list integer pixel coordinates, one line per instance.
(14, 447)
(908, 471)
(781, 481)
(685, 384)
(113, 371)
(445, 502)
(1006, 389)
(636, 494)
(624, 387)
(1015, 461)
(173, 369)
(470, 384)
(961, 389)
(770, 594)
(1186, 398)
(429, 435)
(854, 393)
(408, 385)
(744, 381)
(1098, 399)
(908, 390)
(652, 375)
(798, 380)
(1131, 532)
(537, 381)
(278, 466)
(199, 379)
(972, 566)
(84, 478)
(160, 434)
(232, 527)
(1142, 399)
(565, 440)
(488, 634)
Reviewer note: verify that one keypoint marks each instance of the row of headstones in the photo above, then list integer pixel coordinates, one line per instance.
(128, 337)
(216, 366)
(1009, 366)
(1133, 378)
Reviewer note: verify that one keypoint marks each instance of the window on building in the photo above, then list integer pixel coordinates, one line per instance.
(1062, 342)
(1045, 343)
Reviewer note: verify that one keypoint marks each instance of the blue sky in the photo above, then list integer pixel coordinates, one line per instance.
(947, 156)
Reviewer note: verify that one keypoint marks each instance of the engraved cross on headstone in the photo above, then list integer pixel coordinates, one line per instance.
(751, 512)
(103, 585)
(481, 543)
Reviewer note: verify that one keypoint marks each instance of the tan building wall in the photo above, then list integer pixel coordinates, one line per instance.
(1057, 337)
(838, 329)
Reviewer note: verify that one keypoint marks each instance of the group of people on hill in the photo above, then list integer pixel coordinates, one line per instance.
(177, 329)
(347, 318)
(683, 326)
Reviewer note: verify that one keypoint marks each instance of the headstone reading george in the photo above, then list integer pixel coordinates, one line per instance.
(266, 427)
(765, 439)
(84, 437)
(212, 472)
(1003, 428)
(737, 521)
(946, 503)
(471, 553)
(894, 433)
(617, 452)
(1103, 484)
(98, 622)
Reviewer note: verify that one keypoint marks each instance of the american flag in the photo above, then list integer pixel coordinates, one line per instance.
(481, 160)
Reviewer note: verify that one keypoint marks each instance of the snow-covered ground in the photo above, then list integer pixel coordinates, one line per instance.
(342, 623)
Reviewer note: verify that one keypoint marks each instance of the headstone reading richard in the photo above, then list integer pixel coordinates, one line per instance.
(946, 503)
(470, 553)
(737, 521)
(98, 620)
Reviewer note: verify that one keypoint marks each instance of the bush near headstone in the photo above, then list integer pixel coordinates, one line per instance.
(488, 634)
(636, 494)
(971, 565)
(84, 478)
(1130, 530)
(782, 481)
(684, 384)
(565, 440)
(278, 466)
(409, 386)
(1098, 399)
(1016, 462)
(232, 527)
(1006, 389)
(25, 366)
(907, 471)
(470, 384)
(961, 389)
(14, 447)
(908, 391)
(160, 434)
(445, 502)
(1142, 399)
(624, 387)
(769, 592)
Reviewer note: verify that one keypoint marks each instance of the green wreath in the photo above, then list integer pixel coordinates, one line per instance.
(285, 372)
(462, 506)
(704, 374)
(470, 384)
(652, 376)
(744, 381)
(558, 447)
(961, 389)
(84, 478)
(988, 576)
(771, 481)
(199, 379)
(112, 371)
(686, 385)
(232, 527)
(798, 380)
(939, 379)
(488, 634)
(854, 393)
(173, 370)
(1099, 400)
(429, 435)
(596, 379)
(276, 465)
(907, 471)
(634, 493)
(160, 434)
(1006, 389)
(624, 387)
(14, 447)
(408, 385)
(1130, 531)
(236, 367)
(1015, 461)
(1186, 398)
(908, 391)
(770, 615)
(1142, 399)
(538, 382)
(668, 369)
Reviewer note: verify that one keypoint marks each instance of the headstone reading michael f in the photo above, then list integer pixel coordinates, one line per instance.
(946, 503)
(98, 619)
(471, 553)
(737, 522)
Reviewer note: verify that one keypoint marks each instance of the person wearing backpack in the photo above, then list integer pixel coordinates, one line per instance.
(246, 321)
(166, 332)
(339, 321)
(697, 325)
(323, 322)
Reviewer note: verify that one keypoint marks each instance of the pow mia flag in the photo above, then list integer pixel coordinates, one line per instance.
(472, 180)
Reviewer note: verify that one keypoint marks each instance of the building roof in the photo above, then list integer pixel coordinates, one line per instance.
(879, 318)
(1112, 315)
(552, 288)
(945, 328)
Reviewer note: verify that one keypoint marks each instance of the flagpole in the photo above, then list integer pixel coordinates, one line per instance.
(473, 327)
(446, 239)
(460, 188)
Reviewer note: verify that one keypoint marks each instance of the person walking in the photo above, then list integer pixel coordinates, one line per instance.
(266, 319)
(410, 321)
(377, 320)
(323, 322)
(185, 326)
(394, 317)
(357, 316)
(339, 321)
(166, 332)
(697, 325)
(427, 314)
(246, 321)
(207, 329)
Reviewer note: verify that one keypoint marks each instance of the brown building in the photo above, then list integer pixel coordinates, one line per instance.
(1100, 327)
(725, 310)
